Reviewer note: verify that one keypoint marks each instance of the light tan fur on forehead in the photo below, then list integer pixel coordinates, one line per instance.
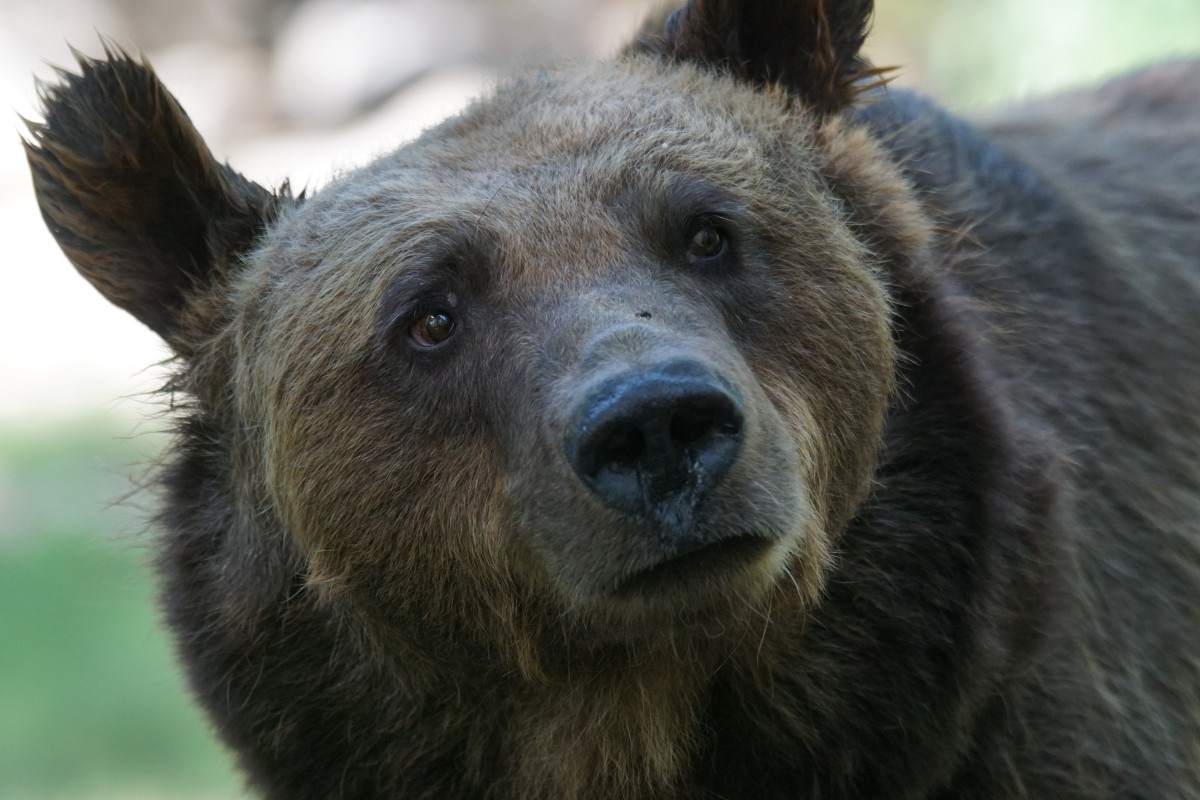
(535, 163)
(586, 127)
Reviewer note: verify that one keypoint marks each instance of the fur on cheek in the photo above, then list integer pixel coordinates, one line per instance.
(413, 549)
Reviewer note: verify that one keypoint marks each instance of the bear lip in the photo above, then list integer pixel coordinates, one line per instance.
(683, 571)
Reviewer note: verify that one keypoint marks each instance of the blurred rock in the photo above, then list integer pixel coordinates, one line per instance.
(310, 158)
(156, 23)
(337, 58)
(223, 86)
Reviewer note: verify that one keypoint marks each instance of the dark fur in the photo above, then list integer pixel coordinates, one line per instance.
(970, 373)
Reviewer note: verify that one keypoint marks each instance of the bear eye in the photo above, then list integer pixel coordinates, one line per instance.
(707, 242)
(433, 329)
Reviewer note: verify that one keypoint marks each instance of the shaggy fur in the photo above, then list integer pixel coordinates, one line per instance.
(955, 555)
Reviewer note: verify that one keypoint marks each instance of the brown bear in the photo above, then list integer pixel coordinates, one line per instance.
(709, 422)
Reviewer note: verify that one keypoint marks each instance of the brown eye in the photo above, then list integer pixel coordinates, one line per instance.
(707, 242)
(430, 330)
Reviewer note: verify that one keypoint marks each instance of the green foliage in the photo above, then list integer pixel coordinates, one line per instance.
(93, 705)
(977, 53)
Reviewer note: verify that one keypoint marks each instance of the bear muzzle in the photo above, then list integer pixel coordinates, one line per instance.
(649, 464)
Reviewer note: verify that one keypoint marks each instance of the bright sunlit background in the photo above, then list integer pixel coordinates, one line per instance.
(91, 705)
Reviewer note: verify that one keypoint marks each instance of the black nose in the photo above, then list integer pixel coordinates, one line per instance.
(656, 442)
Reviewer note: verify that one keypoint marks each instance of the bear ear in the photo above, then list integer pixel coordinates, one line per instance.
(811, 47)
(134, 196)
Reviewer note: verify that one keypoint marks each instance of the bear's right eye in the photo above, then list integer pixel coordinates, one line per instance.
(433, 329)
(707, 242)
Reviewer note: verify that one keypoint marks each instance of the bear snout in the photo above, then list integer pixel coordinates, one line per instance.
(654, 442)
(650, 465)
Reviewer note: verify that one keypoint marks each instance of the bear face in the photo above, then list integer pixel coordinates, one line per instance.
(547, 323)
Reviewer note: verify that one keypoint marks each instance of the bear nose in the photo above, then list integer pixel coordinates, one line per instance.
(656, 442)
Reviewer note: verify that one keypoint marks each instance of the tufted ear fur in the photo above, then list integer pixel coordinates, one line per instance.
(134, 196)
(811, 47)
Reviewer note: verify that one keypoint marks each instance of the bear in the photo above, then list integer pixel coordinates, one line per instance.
(711, 421)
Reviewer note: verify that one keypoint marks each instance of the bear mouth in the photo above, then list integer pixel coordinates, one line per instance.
(696, 568)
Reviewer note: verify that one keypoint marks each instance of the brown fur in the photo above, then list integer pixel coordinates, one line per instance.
(955, 555)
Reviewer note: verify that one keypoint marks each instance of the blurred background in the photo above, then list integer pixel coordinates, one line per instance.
(91, 704)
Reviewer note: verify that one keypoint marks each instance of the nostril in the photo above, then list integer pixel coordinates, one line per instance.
(623, 449)
(697, 426)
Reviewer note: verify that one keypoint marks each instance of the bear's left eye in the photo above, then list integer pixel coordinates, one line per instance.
(707, 242)
(433, 329)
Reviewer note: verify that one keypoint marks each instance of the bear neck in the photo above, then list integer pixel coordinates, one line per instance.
(602, 732)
